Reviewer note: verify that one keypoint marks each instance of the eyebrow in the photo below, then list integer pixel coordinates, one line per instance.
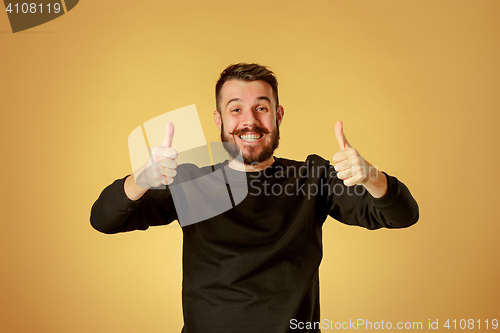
(236, 99)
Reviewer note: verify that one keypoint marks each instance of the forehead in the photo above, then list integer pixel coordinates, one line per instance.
(247, 91)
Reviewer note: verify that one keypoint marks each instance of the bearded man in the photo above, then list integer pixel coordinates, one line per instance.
(254, 268)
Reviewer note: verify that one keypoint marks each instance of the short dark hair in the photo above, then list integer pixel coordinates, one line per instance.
(246, 72)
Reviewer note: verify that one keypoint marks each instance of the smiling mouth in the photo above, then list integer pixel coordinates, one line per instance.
(250, 137)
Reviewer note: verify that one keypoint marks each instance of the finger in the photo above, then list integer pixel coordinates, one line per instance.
(169, 135)
(339, 134)
(169, 172)
(344, 174)
(167, 152)
(168, 180)
(168, 163)
(159, 153)
(356, 179)
(341, 155)
(353, 176)
(353, 172)
(343, 165)
(162, 176)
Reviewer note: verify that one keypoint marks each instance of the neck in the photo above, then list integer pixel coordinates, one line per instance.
(235, 164)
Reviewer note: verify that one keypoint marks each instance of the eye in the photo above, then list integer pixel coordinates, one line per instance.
(235, 110)
(261, 108)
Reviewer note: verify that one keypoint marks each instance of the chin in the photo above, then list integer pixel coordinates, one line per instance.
(251, 155)
(257, 158)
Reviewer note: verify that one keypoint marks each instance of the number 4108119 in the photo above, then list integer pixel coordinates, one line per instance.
(471, 324)
(32, 8)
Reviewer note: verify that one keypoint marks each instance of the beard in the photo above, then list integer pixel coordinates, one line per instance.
(252, 157)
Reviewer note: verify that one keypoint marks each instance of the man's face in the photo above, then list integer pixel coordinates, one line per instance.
(249, 120)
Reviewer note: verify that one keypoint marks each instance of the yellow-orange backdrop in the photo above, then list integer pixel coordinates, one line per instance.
(415, 82)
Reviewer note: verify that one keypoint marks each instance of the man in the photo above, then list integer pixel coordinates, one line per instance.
(254, 268)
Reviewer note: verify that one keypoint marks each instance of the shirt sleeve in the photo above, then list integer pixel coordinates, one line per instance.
(355, 206)
(114, 212)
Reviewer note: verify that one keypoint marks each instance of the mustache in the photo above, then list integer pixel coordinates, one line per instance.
(255, 129)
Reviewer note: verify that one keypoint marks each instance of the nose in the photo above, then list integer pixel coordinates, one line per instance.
(249, 119)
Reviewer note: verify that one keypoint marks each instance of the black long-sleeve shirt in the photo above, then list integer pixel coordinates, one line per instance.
(254, 267)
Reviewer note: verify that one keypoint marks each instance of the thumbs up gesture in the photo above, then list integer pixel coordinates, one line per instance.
(350, 167)
(161, 166)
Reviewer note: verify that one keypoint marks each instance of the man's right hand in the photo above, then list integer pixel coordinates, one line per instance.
(159, 170)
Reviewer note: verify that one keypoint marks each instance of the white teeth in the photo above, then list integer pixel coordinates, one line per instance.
(250, 137)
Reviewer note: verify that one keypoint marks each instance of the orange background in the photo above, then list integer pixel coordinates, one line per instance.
(415, 82)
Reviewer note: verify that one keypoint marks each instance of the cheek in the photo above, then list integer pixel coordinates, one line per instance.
(271, 124)
(230, 126)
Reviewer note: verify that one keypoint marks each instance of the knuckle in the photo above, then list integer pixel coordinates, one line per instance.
(172, 153)
(165, 162)
(165, 152)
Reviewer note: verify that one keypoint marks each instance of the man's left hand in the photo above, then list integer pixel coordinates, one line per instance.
(352, 168)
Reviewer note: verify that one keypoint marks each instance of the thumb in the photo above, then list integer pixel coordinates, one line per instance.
(339, 133)
(169, 135)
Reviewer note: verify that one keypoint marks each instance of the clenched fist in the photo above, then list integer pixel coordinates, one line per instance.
(353, 169)
(161, 166)
(350, 167)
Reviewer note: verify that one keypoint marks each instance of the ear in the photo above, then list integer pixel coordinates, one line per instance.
(280, 113)
(217, 119)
